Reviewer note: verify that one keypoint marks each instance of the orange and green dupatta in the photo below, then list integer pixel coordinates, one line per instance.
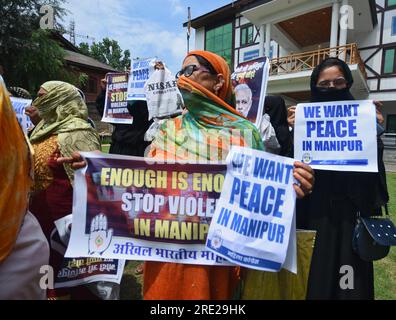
(15, 175)
(207, 131)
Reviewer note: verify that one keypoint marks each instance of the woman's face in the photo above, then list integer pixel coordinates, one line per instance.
(204, 78)
(332, 77)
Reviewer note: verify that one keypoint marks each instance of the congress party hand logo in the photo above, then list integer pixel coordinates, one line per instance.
(217, 240)
(100, 237)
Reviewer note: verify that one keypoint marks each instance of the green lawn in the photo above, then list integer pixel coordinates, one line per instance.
(105, 148)
(385, 270)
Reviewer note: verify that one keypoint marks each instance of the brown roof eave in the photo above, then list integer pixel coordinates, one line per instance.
(93, 68)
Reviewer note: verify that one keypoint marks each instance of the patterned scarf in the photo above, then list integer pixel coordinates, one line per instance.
(65, 114)
(210, 127)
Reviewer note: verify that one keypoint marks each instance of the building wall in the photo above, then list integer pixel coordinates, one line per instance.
(241, 53)
(91, 92)
(200, 39)
(382, 87)
(371, 45)
(388, 37)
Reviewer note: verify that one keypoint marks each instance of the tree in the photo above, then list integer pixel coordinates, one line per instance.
(108, 51)
(84, 48)
(27, 53)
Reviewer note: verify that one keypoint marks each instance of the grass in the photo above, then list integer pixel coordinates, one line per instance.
(385, 269)
(105, 148)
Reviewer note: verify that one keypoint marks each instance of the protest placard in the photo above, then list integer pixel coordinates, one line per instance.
(20, 106)
(163, 96)
(81, 271)
(250, 84)
(141, 71)
(115, 110)
(338, 136)
(129, 208)
(254, 219)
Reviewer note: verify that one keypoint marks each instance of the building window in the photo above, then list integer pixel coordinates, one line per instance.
(390, 3)
(92, 85)
(219, 41)
(391, 124)
(389, 61)
(393, 27)
(247, 33)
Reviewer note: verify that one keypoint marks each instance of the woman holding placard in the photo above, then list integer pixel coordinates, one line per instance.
(206, 131)
(337, 272)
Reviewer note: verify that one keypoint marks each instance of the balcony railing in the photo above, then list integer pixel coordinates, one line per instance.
(306, 61)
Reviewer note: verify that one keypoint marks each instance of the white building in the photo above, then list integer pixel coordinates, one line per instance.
(298, 34)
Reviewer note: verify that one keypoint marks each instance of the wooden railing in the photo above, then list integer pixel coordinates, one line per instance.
(306, 61)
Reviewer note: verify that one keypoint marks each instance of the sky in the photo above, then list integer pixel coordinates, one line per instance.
(148, 28)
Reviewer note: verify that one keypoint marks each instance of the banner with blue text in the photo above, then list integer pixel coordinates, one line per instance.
(339, 136)
(253, 224)
(20, 106)
(141, 71)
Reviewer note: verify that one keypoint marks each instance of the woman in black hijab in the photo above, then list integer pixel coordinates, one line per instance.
(275, 107)
(332, 207)
(128, 139)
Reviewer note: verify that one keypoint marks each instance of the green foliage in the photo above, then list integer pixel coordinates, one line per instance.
(84, 48)
(385, 269)
(83, 79)
(108, 51)
(29, 57)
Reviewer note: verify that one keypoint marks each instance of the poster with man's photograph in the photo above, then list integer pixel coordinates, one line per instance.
(250, 85)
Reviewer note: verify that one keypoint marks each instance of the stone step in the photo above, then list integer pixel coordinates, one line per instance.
(390, 155)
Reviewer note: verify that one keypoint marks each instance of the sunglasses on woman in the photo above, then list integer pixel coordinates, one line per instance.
(189, 70)
(338, 83)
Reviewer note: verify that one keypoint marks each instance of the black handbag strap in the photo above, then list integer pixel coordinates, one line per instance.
(386, 210)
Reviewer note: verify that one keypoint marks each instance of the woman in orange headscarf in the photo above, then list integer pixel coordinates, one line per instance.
(211, 124)
(205, 84)
(23, 247)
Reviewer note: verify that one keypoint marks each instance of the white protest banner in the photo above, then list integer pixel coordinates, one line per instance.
(131, 208)
(339, 136)
(19, 106)
(253, 221)
(141, 71)
(163, 96)
(116, 104)
(81, 271)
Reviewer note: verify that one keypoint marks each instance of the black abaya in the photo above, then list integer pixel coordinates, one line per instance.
(332, 211)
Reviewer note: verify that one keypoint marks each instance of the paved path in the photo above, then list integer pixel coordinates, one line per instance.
(390, 167)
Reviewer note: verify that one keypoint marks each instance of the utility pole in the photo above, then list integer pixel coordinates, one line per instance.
(188, 30)
(72, 34)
